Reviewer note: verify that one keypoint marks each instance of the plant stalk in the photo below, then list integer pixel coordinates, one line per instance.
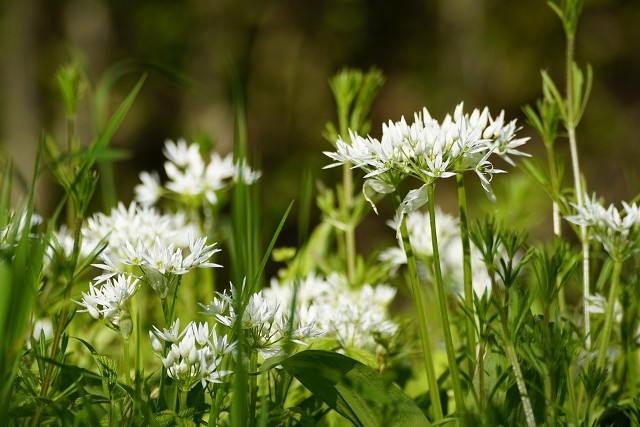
(610, 313)
(350, 239)
(512, 356)
(422, 315)
(442, 305)
(577, 180)
(126, 362)
(467, 272)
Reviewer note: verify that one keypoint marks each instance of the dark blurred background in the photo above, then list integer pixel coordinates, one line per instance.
(434, 53)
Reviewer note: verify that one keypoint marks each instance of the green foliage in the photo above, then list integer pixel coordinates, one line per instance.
(354, 390)
(518, 346)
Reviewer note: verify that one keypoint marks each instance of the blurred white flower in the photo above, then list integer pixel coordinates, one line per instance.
(149, 191)
(190, 178)
(136, 224)
(356, 318)
(450, 246)
(41, 327)
(267, 322)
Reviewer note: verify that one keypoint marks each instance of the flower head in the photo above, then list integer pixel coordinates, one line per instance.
(427, 149)
(617, 230)
(191, 179)
(194, 354)
(108, 301)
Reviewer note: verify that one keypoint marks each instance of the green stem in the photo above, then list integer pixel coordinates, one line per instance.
(183, 399)
(480, 368)
(214, 410)
(126, 362)
(442, 305)
(350, 239)
(610, 313)
(422, 315)
(253, 388)
(512, 356)
(555, 188)
(548, 381)
(522, 387)
(577, 181)
(62, 316)
(468, 281)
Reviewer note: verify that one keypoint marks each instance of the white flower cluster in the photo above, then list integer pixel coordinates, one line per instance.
(190, 178)
(427, 149)
(108, 301)
(450, 247)
(136, 223)
(194, 355)
(356, 318)
(267, 324)
(141, 245)
(618, 231)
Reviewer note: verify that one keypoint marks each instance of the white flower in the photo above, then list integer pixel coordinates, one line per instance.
(191, 180)
(150, 190)
(199, 254)
(158, 264)
(108, 301)
(618, 231)
(428, 150)
(41, 327)
(135, 224)
(450, 246)
(267, 323)
(195, 353)
(355, 318)
(181, 154)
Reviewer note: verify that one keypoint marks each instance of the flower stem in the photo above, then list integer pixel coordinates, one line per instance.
(610, 313)
(214, 410)
(442, 304)
(577, 180)
(522, 387)
(512, 356)
(253, 388)
(350, 239)
(468, 281)
(126, 362)
(183, 399)
(422, 315)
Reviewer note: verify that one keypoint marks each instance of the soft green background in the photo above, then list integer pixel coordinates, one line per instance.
(433, 53)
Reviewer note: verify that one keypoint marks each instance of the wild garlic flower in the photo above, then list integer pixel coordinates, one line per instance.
(450, 245)
(136, 223)
(191, 178)
(194, 355)
(266, 323)
(108, 301)
(356, 318)
(617, 230)
(161, 264)
(427, 150)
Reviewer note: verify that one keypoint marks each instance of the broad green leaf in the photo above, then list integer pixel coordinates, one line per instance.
(354, 390)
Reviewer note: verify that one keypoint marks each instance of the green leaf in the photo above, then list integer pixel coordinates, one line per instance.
(551, 92)
(354, 390)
